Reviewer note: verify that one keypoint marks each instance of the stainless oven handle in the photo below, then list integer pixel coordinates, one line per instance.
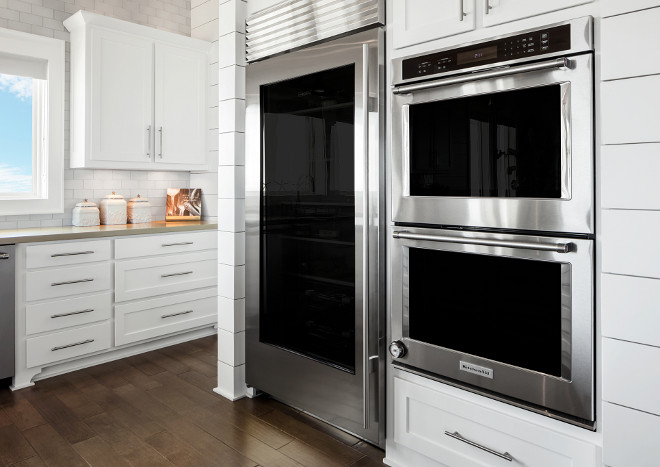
(503, 455)
(496, 73)
(556, 247)
(365, 237)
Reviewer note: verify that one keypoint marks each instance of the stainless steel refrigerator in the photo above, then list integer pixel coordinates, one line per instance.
(315, 262)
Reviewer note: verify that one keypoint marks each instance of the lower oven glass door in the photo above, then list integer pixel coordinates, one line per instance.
(508, 314)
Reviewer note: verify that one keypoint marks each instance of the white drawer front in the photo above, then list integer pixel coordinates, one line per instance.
(630, 110)
(147, 319)
(60, 314)
(630, 308)
(54, 283)
(630, 375)
(165, 244)
(63, 345)
(422, 417)
(630, 438)
(65, 254)
(622, 34)
(142, 278)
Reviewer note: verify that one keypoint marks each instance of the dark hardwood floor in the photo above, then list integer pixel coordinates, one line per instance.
(158, 408)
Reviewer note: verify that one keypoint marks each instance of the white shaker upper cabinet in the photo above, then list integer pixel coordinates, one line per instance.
(121, 99)
(180, 90)
(417, 21)
(138, 96)
(503, 11)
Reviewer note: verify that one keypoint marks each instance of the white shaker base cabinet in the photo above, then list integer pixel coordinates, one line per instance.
(71, 314)
(432, 424)
(138, 96)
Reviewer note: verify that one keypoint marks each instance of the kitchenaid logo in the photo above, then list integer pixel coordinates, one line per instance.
(476, 369)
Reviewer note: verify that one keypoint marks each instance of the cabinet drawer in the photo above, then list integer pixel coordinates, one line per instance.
(54, 283)
(65, 254)
(630, 438)
(148, 277)
(165, 244)
(68, 344)
(147, 319)
(60, 314)
(630, 375)
(423, 417)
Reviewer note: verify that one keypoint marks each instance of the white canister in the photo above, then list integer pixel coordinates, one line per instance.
(139, 210)
(85, 214)
(113, 210)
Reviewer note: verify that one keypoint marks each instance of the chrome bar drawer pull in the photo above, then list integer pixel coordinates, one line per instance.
(456, 435)
(177, 314)
(176, 274)
(55, 284)
(178, 244)
(76, 253)
(88, 341)
(4, 256)
(62, 315)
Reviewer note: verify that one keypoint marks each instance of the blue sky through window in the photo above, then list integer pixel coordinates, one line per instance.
(15, 134)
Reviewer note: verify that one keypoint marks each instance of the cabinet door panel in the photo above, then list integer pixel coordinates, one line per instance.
(503, 11)
(180, 105)
(417, 21)
(121, 98)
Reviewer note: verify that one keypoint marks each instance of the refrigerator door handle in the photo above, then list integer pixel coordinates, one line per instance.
(365, 236)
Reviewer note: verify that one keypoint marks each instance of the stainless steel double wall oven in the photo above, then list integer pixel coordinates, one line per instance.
(493, 205)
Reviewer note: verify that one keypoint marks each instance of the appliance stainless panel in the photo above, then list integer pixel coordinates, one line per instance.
(314, 233)
(512, 315)
(504, 148)
(7, 312)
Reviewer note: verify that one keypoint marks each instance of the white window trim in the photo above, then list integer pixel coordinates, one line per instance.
(48, 169)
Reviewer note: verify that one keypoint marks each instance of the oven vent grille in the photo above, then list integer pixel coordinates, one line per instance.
(295, 24)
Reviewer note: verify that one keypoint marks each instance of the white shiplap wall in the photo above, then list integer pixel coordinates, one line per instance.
(45, 18)
(222, 22)
(630, 199)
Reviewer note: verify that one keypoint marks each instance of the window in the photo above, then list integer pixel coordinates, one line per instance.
(31, 123)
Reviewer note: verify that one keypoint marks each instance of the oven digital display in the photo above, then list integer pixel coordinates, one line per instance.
(477, 55)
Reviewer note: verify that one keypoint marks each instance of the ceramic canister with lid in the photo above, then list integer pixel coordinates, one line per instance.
(85, 214)
(113, 209)
(139, 210)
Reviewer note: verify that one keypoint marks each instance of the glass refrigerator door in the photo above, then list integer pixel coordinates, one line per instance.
(307, 271)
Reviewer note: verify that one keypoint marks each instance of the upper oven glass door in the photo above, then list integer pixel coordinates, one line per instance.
(518, 310)
(512, 152)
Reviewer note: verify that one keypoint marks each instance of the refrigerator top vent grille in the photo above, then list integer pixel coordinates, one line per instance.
(295, 24)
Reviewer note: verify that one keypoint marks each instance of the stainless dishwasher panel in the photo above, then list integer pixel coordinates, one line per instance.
(7, 265)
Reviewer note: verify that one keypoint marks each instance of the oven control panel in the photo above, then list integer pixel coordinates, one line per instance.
(534, 43)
